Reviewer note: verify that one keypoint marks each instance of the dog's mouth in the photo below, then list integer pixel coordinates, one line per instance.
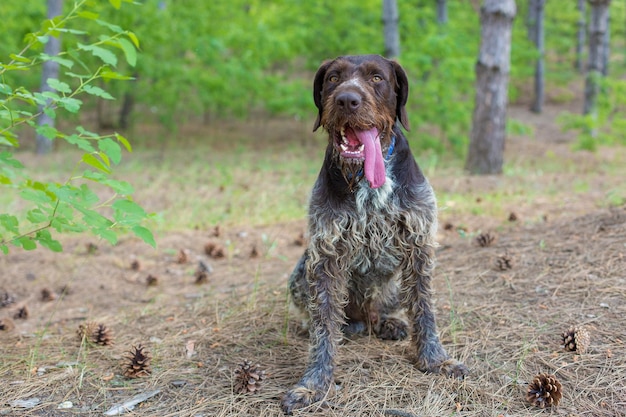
(358, 146)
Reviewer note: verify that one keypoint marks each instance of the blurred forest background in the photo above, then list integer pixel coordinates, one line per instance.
(201, 62)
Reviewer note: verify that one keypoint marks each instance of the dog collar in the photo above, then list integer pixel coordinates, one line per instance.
(391, 146)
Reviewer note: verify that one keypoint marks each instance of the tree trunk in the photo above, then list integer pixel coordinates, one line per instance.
(390, 21)
(598, 26)
(486, 148)
(531, 21)
(442, 12)
(50, 69)
(537, 105)
(606, 50)
(580, 38)
(128, 104)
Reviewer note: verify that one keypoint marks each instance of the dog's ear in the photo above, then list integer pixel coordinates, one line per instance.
(402, 94)
(318, 83)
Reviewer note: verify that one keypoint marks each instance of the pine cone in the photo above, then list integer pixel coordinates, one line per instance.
(544, 391)
(6, 325)
(300, 240)
(21, 313)
(6, 299)
(135, 265)
(48, 295)
(576, 339)
(513, 217)
(152, 281)
(96, 333)
(91, 248)
(182, 257)
(504, 262)
(138, 363)
(485, 239)
(248, 378)
(214, 250)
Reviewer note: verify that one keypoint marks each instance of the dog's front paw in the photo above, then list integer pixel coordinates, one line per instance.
(392, 328)
(453, 368)
(448, 367)
(299, 397)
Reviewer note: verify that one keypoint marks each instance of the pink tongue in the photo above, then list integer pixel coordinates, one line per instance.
(374, 162)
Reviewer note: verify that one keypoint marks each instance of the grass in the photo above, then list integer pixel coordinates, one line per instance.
(247, 180)
(504, 324)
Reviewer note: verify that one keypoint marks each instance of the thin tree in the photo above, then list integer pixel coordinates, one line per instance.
(598, 26)
(442, 12)
(486, 148)
(538, 38)
(606, 47)
(50, 70)
(581, 35)
(391, 33)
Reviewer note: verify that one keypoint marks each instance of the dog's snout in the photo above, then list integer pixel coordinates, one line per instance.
(348, 101)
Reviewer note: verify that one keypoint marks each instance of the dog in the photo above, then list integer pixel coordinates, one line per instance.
(372, 223)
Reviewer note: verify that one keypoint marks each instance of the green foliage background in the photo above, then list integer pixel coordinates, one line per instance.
(228, 58)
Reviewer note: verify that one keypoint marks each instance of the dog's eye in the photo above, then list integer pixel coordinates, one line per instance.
(377, 78)
(333, 79)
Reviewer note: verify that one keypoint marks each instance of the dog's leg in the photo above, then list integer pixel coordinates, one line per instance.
(328, 298)
(298, 285)
(416, 298)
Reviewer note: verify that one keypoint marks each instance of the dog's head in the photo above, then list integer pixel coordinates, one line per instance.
(359, 99)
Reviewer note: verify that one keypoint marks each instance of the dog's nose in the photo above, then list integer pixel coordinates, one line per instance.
(348, 101)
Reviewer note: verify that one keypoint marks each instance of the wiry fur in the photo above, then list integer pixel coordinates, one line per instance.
(371, 251)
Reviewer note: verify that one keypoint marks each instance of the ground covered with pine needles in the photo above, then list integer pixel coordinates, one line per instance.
(167, 332)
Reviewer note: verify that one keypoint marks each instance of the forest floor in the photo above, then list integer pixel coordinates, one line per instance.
(558, 260)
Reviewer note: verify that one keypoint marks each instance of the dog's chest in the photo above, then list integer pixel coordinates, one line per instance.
(374, 231)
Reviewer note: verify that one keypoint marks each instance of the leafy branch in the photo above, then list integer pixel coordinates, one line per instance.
(71, 206)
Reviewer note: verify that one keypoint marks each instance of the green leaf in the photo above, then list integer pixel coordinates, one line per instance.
(5, 89)
(49, 111)
(116, 3)
(91, 160)
(87, 133)
(129, 51)
(36, 216)
(124, 142)
(20, 58)
(67, 63)
(130, 208)
(111, 148)
(82, 143)
(9, 223)
(88, 15)
(113, 28)
(70, 104)
(120, 187)
(97, 91)
(58, 85)
(107, 74)
(107, 234)
(36, 196)
(47, 131)
(45, 239)
(6, 158)
(144, 234)
(105, 55)
(133, 38)
(105, 158)
(26, 242)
